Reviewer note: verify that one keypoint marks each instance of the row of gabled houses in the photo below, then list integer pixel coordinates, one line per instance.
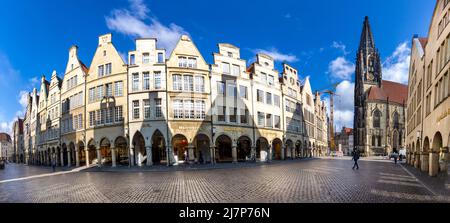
(170, 109)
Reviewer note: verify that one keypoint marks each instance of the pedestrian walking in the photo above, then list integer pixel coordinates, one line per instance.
(395, 156)
(355, 158)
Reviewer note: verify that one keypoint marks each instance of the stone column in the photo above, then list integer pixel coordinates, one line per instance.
(269, 153)
(170, 155)
(69, 161)
(253, 152)
(282, 152)
(191, 153)
(62, 157)
(444, 159)
(434, 166)
(417, 160)
(234, 153)
(212, 150)
(99, 158)
(407, 157)
(425, 162)
(77, 158)
(113, 157)
(149, 156)
(131, 158)
(86, 151)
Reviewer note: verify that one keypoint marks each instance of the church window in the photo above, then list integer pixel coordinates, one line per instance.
(376, 119)
(396, 121)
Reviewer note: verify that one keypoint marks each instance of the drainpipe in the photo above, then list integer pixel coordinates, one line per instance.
(167, 116)
(253, 116)
(213, 154)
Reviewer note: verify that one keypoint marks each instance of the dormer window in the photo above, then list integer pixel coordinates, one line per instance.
(132, 59)
(160, 58)
(230, 54)
(104, 53)
(265, 63)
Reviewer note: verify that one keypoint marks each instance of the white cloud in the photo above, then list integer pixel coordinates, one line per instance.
(341, 68)
(277, 55)
(136, 22)
(343, 105)
(340, 46)
(139, 8)
(396, 66)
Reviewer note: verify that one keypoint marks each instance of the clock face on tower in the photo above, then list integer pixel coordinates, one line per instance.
(370, 77)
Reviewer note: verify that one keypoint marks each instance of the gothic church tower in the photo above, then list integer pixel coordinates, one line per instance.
(368, 74)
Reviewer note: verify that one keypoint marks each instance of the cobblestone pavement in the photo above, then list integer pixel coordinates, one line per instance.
(305, 181)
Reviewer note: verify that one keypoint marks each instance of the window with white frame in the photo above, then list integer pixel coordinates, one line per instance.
(145, 58)
(118, 113)
(108, 69)
(277, 121)
(158, 108)
(135, 79)
(221, 113)
(221, 88)
(276, 100)
(243, 92)
(118, 88)
(188, 83)
(146, 81)
(260, 96)
(200, 109)
(269, 120)
(109, 115)
(192, 62)
(271, 80)
(261, 119)
(199, 84)
(135, 109)
(146, 109)
(101, 71)
(99, 92)
(157, 80)
(182, 61)
(263, 77)
(189, 111)
(177, 82)
(178, 109)
(109, 90)
(269, 98)
(226, 68)
(236, 70)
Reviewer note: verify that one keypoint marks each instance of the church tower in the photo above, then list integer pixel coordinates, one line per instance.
(368, 74)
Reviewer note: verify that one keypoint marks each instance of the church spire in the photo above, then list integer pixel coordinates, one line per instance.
(367, 41)
(368, 64)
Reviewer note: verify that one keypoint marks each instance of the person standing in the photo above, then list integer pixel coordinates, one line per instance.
(355, 159)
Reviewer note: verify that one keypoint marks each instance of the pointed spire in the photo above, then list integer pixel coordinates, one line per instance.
(367, 41)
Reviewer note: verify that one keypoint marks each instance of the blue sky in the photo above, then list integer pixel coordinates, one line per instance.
(318, 37)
